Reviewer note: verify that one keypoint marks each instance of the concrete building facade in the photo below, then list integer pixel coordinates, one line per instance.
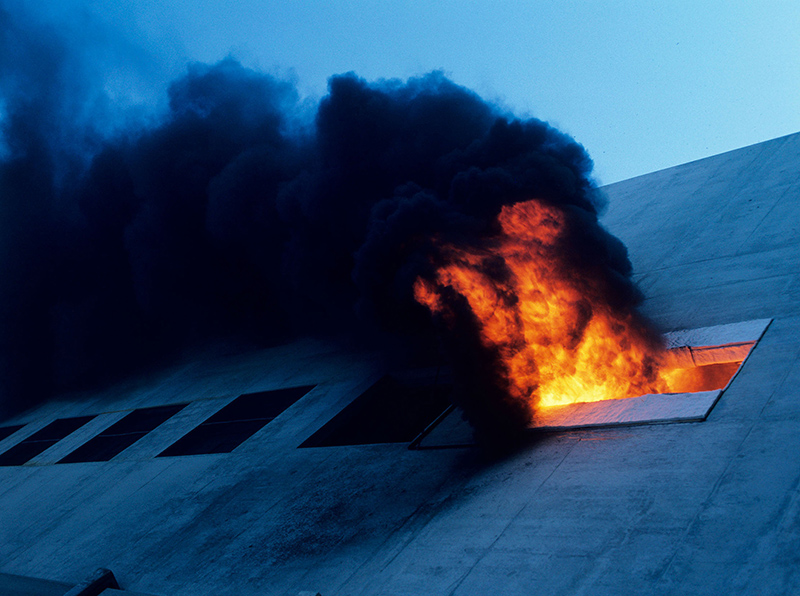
(709, 507)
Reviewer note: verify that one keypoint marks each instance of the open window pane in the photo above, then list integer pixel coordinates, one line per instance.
(42, 440)
(393, 410)
(711, 355)
(215, 438)
(7, 431)
(236, 422)
(122, 434)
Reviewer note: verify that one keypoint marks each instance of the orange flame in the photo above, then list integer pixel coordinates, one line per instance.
(559, 340)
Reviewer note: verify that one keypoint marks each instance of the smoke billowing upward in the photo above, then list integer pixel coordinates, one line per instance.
(232, 214)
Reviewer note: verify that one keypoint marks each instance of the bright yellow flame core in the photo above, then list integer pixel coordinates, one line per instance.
(559, 340)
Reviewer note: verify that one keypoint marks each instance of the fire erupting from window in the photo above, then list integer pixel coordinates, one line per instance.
(556, 331)
(242, 211)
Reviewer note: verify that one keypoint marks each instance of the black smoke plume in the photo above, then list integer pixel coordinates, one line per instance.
(232, 213)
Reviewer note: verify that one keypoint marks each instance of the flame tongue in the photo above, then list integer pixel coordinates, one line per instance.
(559, 340)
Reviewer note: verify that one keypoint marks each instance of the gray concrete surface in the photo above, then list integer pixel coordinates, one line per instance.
(700, 508)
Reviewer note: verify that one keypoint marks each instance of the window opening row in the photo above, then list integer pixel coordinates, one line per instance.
(220, 433)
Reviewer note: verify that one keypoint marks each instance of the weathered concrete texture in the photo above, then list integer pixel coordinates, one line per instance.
(15, 585)
(701, 508)
(745, 332)
(643, 409)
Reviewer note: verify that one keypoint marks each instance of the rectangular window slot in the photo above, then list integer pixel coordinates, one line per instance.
(122, 434)
(7, 431)
(42, 440)
(708, 359)
(236, 422)
(393, 410)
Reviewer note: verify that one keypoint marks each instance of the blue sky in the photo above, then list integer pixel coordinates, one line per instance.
(642, 85)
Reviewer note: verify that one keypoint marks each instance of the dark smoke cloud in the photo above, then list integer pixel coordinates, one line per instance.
(229, 215)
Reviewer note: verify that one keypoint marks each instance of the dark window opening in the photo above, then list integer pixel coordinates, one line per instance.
(42, 440)
(7, 431)
(236, 422)
(394, 410)
(122, 434)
